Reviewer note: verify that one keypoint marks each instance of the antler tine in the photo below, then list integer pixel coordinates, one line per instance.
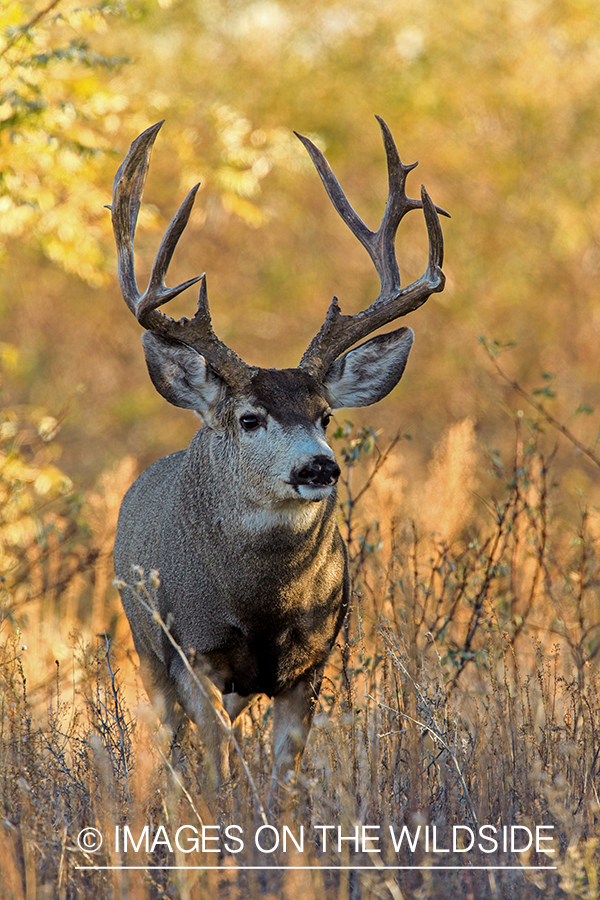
(436, 238)
(157, 292)
(197, 332)
(127, 193)
(398, 204)
(127, 197)
(339, 332)
(336, 194)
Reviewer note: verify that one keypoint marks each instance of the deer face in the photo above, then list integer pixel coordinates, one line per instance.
(281, 424)
(275, 427)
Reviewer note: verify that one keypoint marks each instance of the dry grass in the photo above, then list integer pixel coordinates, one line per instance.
(465, 691)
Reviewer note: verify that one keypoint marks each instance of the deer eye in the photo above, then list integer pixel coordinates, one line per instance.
(250, 422)
(325, 418)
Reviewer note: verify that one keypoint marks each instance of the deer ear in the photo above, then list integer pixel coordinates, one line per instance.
(369, 372)
(181, 374)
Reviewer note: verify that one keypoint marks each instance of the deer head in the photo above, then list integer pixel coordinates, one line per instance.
(192, 368)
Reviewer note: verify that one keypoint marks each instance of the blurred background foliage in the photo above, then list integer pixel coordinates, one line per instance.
(499, 102)
(481, 531)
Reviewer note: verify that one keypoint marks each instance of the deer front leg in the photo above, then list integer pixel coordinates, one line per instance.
(203, 703)
(293, 712)
(161, 693)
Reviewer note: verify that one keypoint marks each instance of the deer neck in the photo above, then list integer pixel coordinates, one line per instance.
(231, 513)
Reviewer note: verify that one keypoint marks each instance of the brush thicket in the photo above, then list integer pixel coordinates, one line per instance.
(464, 690)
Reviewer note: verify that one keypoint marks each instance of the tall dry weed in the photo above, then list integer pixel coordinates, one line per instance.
(465, 691)
(446, 506)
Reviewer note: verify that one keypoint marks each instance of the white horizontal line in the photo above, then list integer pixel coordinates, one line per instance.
(321, 868)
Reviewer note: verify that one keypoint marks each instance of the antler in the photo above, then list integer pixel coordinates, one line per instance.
(339, 332)
(196, 332)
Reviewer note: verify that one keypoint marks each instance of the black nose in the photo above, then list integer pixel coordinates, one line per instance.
(321, 470)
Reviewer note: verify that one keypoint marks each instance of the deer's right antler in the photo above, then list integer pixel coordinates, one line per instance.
(339, 332)
(196, 332)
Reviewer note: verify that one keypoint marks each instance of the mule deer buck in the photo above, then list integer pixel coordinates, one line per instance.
(241, 527)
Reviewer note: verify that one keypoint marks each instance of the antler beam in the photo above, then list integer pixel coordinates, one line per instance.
(339, 332)
(196, 332)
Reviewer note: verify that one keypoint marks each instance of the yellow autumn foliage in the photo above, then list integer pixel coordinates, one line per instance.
(30, 485)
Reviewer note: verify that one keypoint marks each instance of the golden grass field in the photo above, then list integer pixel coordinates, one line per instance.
(464, 691)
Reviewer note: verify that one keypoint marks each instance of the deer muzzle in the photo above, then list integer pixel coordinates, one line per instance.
(321, 471)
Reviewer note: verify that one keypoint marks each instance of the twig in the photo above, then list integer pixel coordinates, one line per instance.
(380, 462)
(179, 782)
(25, 28)
(542, 410)
(438, 737)
(118, 715)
